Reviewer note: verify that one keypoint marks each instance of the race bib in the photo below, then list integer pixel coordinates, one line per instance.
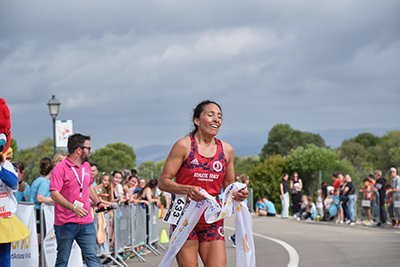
(4, 205)
(176, 208)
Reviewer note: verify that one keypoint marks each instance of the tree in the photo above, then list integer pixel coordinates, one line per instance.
(367, 140)
(387, 153)
(356, 153)
(150, 169)
(282, 139)
(31, 157)
(245, 165)
(114, 156)
(311, 159)
(265, 179)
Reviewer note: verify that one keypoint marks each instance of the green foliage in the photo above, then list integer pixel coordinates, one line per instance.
(265, 179)
(356, 153)
(245, 165)
(310, 160)
(150, 169)
(387, 153)
(13, 145)
(366, 139)
(282, 139)
(113, 157)
(31, 157)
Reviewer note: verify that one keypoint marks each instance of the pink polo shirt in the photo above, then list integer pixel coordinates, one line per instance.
(64, 180)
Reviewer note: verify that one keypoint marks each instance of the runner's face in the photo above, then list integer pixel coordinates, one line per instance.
(210, 119)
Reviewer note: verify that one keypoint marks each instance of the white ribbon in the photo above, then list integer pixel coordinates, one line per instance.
(245, 252)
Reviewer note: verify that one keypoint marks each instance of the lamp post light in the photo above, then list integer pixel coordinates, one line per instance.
(54, 106)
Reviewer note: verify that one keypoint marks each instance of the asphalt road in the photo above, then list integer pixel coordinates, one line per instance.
(310, 244)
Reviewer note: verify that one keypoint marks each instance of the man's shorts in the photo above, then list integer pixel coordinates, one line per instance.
(204, 232)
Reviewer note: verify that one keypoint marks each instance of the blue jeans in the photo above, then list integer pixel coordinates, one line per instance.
(350, 206)
(85, 236)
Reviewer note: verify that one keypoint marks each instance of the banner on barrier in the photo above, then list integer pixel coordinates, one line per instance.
(50, 243)
(25, 252)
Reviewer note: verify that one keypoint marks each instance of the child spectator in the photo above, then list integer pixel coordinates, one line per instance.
(336, 202)
(259, 206)
(309, 211)
(269, 208)
(368, 195)
(303, 206)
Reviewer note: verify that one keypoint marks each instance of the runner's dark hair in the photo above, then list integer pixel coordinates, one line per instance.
(198, 110)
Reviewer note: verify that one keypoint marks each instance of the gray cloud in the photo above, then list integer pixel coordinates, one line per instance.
(131, 71)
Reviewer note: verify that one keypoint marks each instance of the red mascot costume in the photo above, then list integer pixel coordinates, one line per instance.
(11, 228)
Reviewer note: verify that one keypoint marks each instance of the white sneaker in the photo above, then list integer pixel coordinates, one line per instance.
(295, 216)
(353, 223)
(347, 222)
(341, 222)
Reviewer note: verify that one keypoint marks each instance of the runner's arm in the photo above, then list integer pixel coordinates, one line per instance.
(178, 154)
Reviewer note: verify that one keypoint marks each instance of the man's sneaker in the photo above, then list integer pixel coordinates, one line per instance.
(378, 224)
(347, 222)
(233, 241)
(353, 223)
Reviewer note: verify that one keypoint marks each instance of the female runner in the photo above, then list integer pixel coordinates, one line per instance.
(200, 161)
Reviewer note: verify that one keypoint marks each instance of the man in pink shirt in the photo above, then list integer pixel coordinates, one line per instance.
(71, 188)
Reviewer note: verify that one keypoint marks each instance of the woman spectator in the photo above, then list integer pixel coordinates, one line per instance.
(40, 189)
(396, 194)
(295, 186)
(117, 189)
(147, 192)
(284, 194)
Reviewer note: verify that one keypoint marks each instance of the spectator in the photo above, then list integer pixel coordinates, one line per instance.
(296, 185)
(147, 192)
(118, 191)
(389, 204)
(309, 211)
(23, 187)
(368, 195)
(380, 187)
(395, 194)
(303, 206)
(284, 195)
(141, 184)
(260, 207)
(40, 192)
(349, 192)
(58, 158)
(94, 171)
(269, 208)
(336, 203)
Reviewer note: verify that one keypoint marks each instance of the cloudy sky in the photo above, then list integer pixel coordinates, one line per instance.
(132, 71)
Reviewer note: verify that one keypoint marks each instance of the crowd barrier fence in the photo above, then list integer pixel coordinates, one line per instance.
(135, 228)
(392, 206)
(367, 206)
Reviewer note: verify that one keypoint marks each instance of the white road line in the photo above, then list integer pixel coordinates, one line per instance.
(293, 255)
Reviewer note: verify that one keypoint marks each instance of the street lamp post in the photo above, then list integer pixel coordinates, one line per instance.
(54, 106)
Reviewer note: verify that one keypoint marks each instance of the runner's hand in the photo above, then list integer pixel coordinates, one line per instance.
(194, 193)
(241, 195)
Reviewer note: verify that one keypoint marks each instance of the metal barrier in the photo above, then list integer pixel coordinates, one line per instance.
(393, 206)
(152, 226)
(103, 250)
(367, 207)
(250, 200)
